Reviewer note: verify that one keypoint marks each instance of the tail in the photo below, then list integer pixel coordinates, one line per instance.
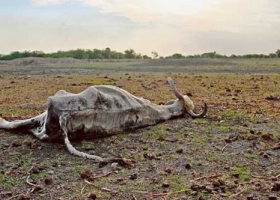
(25, 123)
(3, 123)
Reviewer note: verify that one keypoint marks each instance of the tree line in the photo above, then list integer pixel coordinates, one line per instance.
(127, 54)
(216, 55)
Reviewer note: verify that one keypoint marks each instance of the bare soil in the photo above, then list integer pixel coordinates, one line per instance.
(232, 153)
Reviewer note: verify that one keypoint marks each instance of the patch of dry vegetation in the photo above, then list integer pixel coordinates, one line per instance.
(233, 153)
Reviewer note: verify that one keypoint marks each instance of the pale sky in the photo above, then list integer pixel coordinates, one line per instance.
(165, 26)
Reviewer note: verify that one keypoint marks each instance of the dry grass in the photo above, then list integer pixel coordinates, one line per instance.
(232, 153)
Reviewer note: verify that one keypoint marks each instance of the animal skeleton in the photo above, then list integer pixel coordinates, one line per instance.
(99, 111)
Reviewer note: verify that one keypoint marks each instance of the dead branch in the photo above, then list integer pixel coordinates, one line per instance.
(265, 177)
(141, 192)
(100, 188)
(237, 194)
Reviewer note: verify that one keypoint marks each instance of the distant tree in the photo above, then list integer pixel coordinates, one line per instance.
(15, 54)
(146, 57)
(107, 53)
(209, 55)
(138, 56)
(130, 53)
(277, 53)
(154, 54)
(272, 55)
(97, 54)
(177, 55)
(118, 55)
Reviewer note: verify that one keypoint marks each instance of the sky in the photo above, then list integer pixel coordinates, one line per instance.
(179, 26)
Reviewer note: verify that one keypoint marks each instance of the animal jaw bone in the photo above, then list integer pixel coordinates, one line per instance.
(99, 111)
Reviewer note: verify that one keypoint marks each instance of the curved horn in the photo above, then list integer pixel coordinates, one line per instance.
(194, 115)
(174, 89)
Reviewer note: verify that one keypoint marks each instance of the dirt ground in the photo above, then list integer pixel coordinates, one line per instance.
(232, 153)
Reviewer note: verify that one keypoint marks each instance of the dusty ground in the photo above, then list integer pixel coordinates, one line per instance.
(232, 153)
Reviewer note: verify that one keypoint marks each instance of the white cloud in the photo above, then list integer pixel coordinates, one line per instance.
(178, 26)
(226, 15)
(46, 2)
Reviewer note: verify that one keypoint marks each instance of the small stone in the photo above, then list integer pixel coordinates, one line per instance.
(236, 175)
(188, 166)
(195, 187)
(272, 197)
(267, 136)
(114, 165)
(276, 186)
(50, 172)
(88, 175)
(216, 183)
(227, 167)
(251, 197)
(179, 151)
(265, 155)
(227, 140)
(92, 196)
(48, 181)
(167, 170)
(133, 176)
(165, 184)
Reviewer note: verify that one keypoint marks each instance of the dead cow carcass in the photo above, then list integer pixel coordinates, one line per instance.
(99, 111)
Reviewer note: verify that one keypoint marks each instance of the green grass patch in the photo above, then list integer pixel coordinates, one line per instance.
(242, 172)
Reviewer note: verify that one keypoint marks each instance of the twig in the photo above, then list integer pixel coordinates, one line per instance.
(141, 192)
(96, 177)
(28, 182)
(30, 169)
(237, 194)
(266, 177)
(224, 147)
(100, 188)
(6, 193)
(82, 190)
(134, 198)
(160, 194)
